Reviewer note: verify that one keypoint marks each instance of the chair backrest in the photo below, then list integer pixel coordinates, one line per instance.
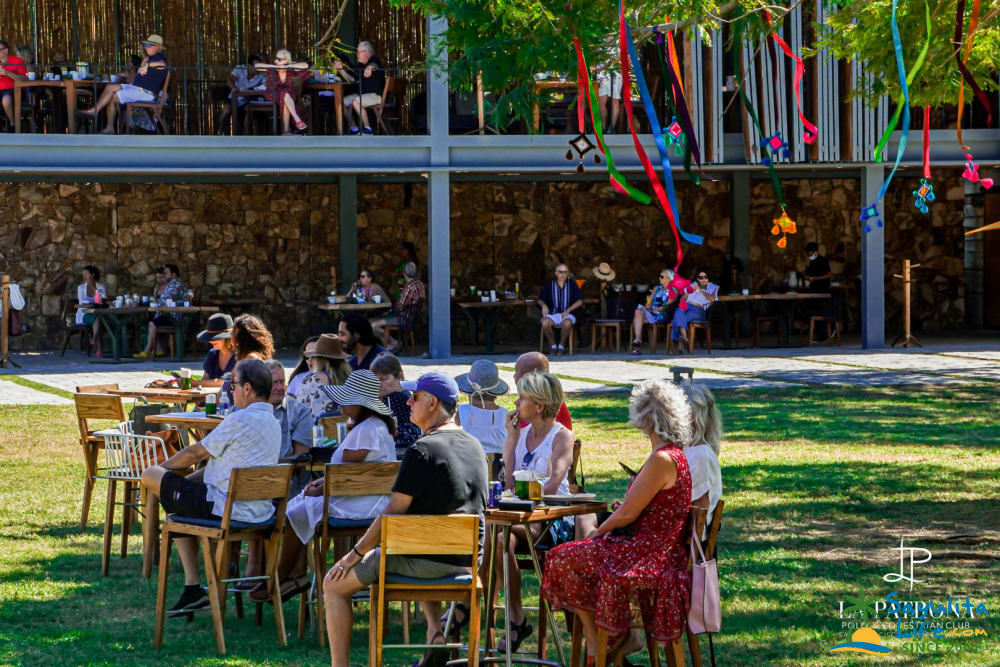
(96, 388)
(426, 534)
(696, 526)
(97, 406)
(128, 454)
(164, 94)
(259, 483)
(360, 479)
(329, 424)
(576, 485)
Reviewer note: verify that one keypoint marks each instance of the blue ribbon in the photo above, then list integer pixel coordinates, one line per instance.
(661, 146)
(905, 130)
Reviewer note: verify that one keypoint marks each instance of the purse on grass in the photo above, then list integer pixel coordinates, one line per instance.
(705, 615)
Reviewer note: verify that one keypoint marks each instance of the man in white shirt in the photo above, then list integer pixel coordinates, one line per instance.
(706, 293)
(250, 436)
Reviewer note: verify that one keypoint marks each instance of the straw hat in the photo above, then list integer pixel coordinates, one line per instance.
(328, 346)
(153, 39)
(218, 327)
(361, 388)
(483, 378)
(603, 271)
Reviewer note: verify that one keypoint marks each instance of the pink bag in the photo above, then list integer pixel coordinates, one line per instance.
(705, 614)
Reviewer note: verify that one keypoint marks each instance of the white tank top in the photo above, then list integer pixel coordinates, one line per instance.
(487, 426)
(542, 451)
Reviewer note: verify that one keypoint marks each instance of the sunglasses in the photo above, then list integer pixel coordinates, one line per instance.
(703, 277)
(562, 271)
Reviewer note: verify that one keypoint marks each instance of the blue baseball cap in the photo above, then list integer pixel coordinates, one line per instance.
(437, 384)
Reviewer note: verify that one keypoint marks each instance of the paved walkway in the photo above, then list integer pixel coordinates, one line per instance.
(941, 364)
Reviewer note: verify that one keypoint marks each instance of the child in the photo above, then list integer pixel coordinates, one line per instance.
(389, 372)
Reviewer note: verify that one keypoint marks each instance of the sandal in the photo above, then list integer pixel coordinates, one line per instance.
(300, 125)
(523, 631)
(457, 625)
(636, 347)
(434, 657)
(289, 588)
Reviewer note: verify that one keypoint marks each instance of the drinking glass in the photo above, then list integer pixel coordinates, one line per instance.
(543, 471)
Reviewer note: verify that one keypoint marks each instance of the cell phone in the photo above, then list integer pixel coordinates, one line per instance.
(631, 473)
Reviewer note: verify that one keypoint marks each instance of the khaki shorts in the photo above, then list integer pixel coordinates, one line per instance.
(421, 568)
(367, 100)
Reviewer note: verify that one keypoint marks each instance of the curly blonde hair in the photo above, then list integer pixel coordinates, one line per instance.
(707, 421)
(660, 407)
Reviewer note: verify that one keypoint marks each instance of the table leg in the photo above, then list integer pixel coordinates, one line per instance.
(490, 320)
(491, 587)
(113, 326)
(338, 101)
(727, 334)
(179, 336)
(234, 110)
(506, 596)
(71, 120)
(313, 104)
(535, 117)
(17, 108)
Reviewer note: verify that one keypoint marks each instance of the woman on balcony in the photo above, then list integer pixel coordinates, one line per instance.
(285, 86)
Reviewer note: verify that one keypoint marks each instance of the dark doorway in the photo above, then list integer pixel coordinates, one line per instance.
(991, 264)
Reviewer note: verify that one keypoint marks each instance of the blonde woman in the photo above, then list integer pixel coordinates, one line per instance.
(284, 87)
(328, 363)
(703, 449)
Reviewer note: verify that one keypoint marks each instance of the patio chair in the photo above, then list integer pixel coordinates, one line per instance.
(262, 106)
(407, 535)
(74, 329)
(156, 109)
(255, 483)
(693, 329)
(556, 334)
(343, 480)
(89, 407)
(405, 326)
(392, 101)
(127, 456)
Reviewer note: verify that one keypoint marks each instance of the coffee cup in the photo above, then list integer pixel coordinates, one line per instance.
(453, 291)
(746, 292)
(170, 303)
(485, 299)
(31, 76)
(114, 78)
(377, 298)
(187, 304)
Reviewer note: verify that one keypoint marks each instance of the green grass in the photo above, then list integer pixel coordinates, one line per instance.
(820, 485)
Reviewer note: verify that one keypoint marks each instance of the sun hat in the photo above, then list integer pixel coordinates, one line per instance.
(153, 39)
(437, 384)
(360, 388)
(328, 346)
(217, 328)
(483, 378)
(603, 271)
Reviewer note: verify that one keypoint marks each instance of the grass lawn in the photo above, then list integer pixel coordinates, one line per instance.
(820, 485)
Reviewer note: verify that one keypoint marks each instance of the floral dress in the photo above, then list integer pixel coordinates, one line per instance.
(313, 397)
(658, 299)
(276, 88)
(607, 574)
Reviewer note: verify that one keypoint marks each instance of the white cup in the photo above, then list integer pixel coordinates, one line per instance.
(118, 302)
(170, 303)
(187, 304)
(746, 292)
(114, 78)
(377, 298)
(493, 295)
(628, 288)
(486, 299)
(453, 291)
(31, 76)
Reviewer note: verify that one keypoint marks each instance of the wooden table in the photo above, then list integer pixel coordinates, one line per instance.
(502, 521)
(313, 88)
(549, 86)
(786, 302)
(193, 421)
(337, 309)
(165, 395)
(236, 303)
(488, 312)
(69, 86)
(117, 319)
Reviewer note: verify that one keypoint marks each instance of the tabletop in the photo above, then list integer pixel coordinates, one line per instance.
(194, 420)
(547, 513)
(353, 306)
(491, 304)
(787, 296)
(164, 394)
(152, 309)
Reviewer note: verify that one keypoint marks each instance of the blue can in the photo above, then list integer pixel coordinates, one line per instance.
(493, 499)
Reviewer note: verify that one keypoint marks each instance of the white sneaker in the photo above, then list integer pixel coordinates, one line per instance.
(555, 348)
(561, 348)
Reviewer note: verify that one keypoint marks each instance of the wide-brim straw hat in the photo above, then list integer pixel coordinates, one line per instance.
(153, 39)
(483, 378)
(328, 346)
(603, 271)
(360, 388)
(218, 327)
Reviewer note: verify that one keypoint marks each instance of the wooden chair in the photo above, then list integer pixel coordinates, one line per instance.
(155, 108)
(96, 388)
(832, 329)
(693, 329)
(574, 476)
(407, 535)
(342, 480)
(654, 335)
(556, 334)
(606, 328)
(74, 329)
(256, 483)
(89, 407)
(127, 456)
(405, 326)
(264, 106)
(171, 334)
(392, 100)
(695, 526)
(759, 320)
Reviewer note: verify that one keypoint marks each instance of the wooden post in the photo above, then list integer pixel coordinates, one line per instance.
(5, 359)
(907, 338)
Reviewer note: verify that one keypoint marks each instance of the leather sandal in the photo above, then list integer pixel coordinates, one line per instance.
(434, 657)
(457, 625)
(523, 631)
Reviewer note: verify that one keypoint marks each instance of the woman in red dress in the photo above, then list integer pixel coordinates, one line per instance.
(637, 555)
(283, 87)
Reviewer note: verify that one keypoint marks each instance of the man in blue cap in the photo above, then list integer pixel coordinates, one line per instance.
(443, 472)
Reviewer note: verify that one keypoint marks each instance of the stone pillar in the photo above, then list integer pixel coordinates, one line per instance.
(348, 238)
(973, 285)
(739, 223)
(438, 197)
(873, 264)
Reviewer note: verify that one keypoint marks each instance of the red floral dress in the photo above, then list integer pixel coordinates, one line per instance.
(606, 574)
(276, 88)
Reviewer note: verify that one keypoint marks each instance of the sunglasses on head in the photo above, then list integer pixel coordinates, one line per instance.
(528, 458)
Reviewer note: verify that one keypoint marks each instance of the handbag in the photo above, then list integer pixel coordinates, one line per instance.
(142, 410)
(705, 615)
(154, 454)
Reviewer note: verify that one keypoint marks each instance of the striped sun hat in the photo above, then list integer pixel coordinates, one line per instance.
(361, 388)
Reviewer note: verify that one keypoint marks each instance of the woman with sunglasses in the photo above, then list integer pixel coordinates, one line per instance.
(698, 302)
(655, 311)
(284, 86)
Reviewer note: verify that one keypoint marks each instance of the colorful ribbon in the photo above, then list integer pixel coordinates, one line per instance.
(927, 142)
(810, 131)
(966, 74)
(665, 52)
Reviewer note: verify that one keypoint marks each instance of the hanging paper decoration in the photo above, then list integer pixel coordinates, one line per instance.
(783, 226)
(677, 101)
(810, 132)
(966, 74)
(971, 173)
(777, 146)
(925, 193)
(677, 138)
(582, 145)
(905, 79)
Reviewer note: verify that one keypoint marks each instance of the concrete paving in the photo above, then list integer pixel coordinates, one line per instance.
(12, 393)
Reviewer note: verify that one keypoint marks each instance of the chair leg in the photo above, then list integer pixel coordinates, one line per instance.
(109, 521)
(90, 459)
(601, 650)
(577, 641)
(694, 648)
(542, 628)
(213, 595)
(319, 565)
(593, 338)
(303, 614)
(812, 327)
(271, 563)
(474, 611)
(675, 654)
(128, 511)
(161, 586)
(69, 336)
(405, 609)
(653, 648)
(379, 627)
(708, 338)
(653, 331)
(374, 635)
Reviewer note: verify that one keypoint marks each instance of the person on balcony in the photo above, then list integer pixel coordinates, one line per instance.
(145, 87)
(11, 69)
(285, 86)
(369, 75)
(243, 77)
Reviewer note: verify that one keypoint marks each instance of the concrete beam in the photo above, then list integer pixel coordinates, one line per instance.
(347, 240)
(438, 197)
(873, 265)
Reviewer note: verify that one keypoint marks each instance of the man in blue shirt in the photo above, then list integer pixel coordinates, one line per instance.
(145, 87)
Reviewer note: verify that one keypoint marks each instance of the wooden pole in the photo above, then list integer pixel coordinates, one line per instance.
(5, 359)
(907, 339)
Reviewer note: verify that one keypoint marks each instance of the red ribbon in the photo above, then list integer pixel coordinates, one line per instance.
(810, 132)
(927, 142)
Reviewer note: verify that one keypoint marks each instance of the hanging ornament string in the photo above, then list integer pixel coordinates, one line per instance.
(810, 131)
(683, 115)
(668, 200)
(617, 179)
(924, 194)
(665, 51)
(966, 74)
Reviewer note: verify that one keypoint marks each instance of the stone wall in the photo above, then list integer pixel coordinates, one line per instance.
(281, 241)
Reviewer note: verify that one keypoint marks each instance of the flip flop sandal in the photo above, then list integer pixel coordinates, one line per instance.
(457, 626)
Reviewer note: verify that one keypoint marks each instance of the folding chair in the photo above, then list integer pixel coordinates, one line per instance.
(424, 535)
(94, 406)
(127, 456)
(343, 480)
(256, 483)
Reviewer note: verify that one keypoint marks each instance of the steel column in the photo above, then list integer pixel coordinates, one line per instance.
(76, 31)
(873, 265)
(438, 197)
(348, 239)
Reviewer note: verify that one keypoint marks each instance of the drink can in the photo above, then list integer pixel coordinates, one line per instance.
(495, 491)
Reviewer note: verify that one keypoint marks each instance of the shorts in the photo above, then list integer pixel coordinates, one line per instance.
(558, 319)
(180, 495)
(420, 568)
(609, 84)
(367, 100)
(130, 93)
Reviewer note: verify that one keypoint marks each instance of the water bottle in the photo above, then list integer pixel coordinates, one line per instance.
(225, 402)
